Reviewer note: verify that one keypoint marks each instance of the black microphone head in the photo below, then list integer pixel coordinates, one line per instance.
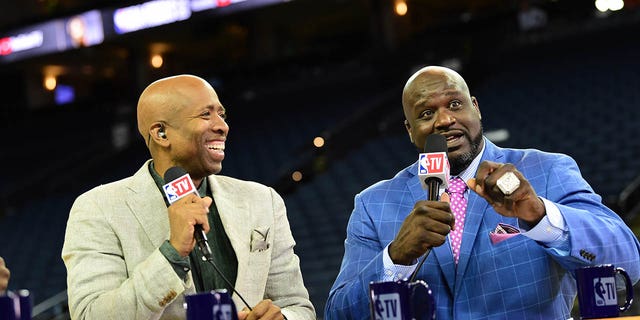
(174, 173)
(435, 143)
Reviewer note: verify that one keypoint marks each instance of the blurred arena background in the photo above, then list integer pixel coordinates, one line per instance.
(312, 90)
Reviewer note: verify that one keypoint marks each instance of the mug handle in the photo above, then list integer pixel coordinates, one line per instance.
(422, 304)
(629, 289)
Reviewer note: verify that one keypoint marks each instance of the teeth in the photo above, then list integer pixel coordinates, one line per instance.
(216, 146)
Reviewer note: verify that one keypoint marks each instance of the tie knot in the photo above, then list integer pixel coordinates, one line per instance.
(457, 185)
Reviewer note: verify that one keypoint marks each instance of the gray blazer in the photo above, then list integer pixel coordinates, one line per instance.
(116, 271)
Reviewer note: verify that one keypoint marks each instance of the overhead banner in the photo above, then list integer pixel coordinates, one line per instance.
(94, 27)
(31, 41)
(150, 14)
(53, 36)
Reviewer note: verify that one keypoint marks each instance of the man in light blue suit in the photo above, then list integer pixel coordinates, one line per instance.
(554, 222)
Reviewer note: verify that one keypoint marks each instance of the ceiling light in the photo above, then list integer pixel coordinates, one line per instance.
(401, 7)
(157, 61)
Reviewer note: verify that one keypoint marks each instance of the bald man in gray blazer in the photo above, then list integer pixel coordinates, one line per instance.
(131, 256)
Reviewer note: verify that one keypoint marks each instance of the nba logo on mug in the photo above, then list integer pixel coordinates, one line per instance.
(388, 307)
(604, 290)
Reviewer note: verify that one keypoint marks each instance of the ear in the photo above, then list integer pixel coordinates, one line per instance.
(474, 101)
(158, 134)
(408, 127)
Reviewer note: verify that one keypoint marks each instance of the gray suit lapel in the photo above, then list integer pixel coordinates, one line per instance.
(236, 221)
(148, 206)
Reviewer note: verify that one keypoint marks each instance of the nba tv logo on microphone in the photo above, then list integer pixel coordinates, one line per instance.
(433, 165)
(178, 188)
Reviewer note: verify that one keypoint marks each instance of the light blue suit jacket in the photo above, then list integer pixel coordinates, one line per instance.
(518, 278)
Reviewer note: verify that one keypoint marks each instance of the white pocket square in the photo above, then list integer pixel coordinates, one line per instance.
(259, 239)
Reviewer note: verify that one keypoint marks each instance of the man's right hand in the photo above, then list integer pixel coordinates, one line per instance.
(425, 227)
(265, 309)
(184, 214)
(4, 276)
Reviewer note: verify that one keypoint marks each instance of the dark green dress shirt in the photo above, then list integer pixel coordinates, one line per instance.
(204, 275)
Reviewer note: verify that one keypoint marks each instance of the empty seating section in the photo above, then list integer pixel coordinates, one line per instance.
(31, 241)
(576, 105)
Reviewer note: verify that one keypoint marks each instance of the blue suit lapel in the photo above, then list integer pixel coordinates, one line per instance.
(477, 207)
(440, 256)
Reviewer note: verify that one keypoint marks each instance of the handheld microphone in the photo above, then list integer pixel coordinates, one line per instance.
(433, 172)
(180, 185)
(433, 165)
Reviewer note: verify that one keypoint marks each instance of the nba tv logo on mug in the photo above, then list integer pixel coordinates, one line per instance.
(597, 296)
(387, 306)
(401, 300)
(604, 290)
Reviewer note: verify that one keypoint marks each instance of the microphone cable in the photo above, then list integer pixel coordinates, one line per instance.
(415, 272)
(173, 175)
(233, 288)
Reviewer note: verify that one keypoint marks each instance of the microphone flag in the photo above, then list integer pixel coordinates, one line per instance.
(178, 188)
(433, 165)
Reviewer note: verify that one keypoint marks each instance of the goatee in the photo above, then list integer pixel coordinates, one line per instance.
(460, 163)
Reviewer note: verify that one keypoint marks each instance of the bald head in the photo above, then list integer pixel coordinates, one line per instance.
(436, 100)
(422, 84)
(183, 123)
(163, 99)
